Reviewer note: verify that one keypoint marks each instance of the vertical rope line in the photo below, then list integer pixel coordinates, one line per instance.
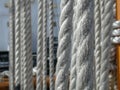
(44, 44)
(22, 42)
(97, 41)
(39, 45)
(105, 48)
(17, 43)
(64, 45)
(73, 77)
(51, 45)
(85, 39)
(27, 45)
(12, 44)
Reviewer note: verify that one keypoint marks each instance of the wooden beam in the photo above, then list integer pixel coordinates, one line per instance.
(118, 46)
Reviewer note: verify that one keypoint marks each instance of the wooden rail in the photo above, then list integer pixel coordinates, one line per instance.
(118, 46)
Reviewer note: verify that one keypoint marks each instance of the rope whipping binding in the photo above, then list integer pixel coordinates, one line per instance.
(85, 30)
(27, 48)
(51, 45)
(12, 45)
(116, 33)
(97, 19)
(39, 45)
(64, 45)
(105, 39)
(17, 44)
(44, 44)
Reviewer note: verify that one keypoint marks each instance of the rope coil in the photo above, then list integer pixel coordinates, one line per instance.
(116, 33)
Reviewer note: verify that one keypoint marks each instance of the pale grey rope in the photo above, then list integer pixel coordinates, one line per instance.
(73, 76)
(39, 45)
(51, 45)
(105, 46)
(44, 44)
(27, 48)
(85, 45)
(21, 35)
(64, 45)
(17, 43)
(97, 19)
(12, 45)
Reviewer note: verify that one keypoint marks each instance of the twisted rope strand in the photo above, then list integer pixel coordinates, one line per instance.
(23, 13)
(97, 42)
(12, 44)
(39, 46)
(84, 59)
(27, 48)
(29, 44)
(17, 43)
(72, 85)
(64, 45)
(51, 45)
(105, 49)
(44, 44)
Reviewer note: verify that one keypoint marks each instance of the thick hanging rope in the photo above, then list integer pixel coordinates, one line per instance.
(105, 49)
(85, 39)
(73, 76)
(27, 48)
(44, 44)
(51, 45)
(39, 45)
(12, 45)
(64, 45)
(17, 43)
(97, 41)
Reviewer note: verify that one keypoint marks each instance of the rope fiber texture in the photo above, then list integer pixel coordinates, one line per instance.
(51, 45)
(72, 85)
(27, 48)
(44, 44)
(97, 19)
(85, 43)
(17, 43)
(64, 45)
(39, 45)
(12, 45)
(105, 39)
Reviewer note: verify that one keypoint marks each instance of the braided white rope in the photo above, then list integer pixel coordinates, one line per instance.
(97, 41)
(27, 48)
(44, 44)
(51, 45)
(105, 48)
(12, 45)
(64, 45)
(39, 46)
(17, 43)
(84, 61)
